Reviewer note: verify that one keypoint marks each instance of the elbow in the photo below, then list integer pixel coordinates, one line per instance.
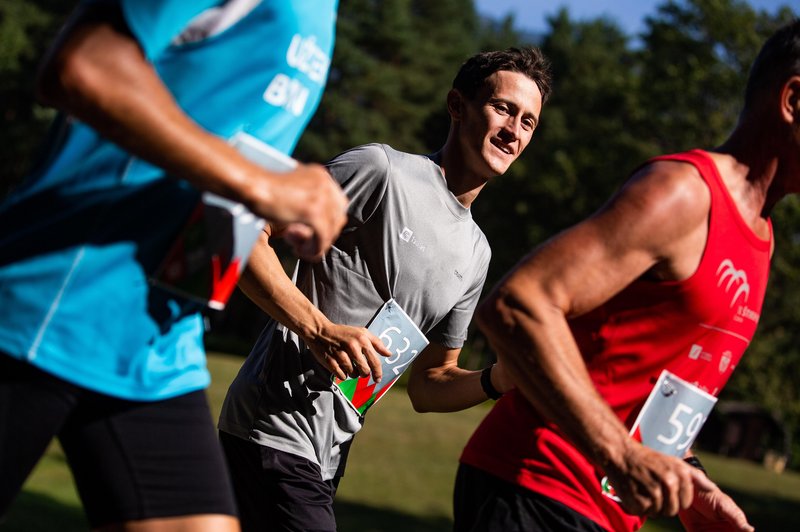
(496, 315)
(418, 402)
(65, 79)
(420, 408)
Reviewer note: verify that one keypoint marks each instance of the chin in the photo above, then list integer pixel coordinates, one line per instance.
(498, 164)
(498, 167)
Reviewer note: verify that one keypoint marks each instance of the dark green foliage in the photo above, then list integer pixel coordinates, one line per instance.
(584, 146)
(26, 29)
(393, 65)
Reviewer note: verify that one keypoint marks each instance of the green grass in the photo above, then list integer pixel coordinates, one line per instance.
(400, 475)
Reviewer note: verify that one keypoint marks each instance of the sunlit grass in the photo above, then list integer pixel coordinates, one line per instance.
(400, 475)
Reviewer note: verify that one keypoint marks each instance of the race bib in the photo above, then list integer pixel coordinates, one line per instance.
(403, 338)
(210, 253)
(670, 419)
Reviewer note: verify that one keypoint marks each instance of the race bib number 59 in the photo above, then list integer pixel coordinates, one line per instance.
(673, 415)
(671, 418)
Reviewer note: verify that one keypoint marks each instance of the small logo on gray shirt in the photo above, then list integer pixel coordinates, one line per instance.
(407, 235)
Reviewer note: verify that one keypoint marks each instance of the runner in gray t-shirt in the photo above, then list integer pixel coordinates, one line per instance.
(285, 425)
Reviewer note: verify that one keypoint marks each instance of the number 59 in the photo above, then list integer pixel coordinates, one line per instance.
(690, 429)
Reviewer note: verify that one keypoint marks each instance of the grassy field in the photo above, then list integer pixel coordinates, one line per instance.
(400, 475)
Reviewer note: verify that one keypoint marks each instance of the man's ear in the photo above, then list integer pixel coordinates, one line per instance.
(455, 101)
(790, 101)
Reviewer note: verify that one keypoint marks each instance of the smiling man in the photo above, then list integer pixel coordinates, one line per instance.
(410, 242)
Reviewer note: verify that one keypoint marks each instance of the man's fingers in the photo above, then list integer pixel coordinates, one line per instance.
(374, 361)
(379, 346)
(303, 241)
(701, 481)
(343, 359)
(315, 209)
(359, 358)
(333, 367)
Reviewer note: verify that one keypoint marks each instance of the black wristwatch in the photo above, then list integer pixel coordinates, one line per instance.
(486, 383)
(695, 462)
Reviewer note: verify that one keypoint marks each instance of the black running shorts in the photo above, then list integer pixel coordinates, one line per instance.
(485, 503)
(278, 491)
(131, 460)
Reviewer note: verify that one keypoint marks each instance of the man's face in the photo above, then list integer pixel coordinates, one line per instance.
(499, 122)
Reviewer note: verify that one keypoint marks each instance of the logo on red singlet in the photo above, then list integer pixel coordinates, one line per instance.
(735, 284)
(725, 361)
(736, 278)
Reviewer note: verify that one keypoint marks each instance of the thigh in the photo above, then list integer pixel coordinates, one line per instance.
(485, 503)
(33, 407)
(145, 460)
(278, 491)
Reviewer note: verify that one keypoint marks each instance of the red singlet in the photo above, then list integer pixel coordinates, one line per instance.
(697, 329)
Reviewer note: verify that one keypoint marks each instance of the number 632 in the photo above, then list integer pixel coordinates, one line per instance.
(386, 338)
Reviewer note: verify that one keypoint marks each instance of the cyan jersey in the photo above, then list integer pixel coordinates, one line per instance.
(80, 236)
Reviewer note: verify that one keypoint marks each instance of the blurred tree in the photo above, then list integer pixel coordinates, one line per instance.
(585, 144)
(392, 67)
(695, 59)
(26, 29)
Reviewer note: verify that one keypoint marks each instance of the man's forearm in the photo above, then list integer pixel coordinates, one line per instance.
(265, 282)
(540, 354)
(437, 384)
(97, 72)
(446, 391)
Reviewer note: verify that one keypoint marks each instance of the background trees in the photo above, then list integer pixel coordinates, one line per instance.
(617, 101)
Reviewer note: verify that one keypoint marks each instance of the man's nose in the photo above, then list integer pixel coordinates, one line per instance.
(511, 127)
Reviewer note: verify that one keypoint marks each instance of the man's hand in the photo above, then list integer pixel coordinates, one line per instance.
(348, 351)
(654, 484)
(714, 511)
(310, 204)
(98, 73)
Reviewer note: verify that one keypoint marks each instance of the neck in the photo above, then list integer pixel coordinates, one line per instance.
(756, 162)
(464, 182)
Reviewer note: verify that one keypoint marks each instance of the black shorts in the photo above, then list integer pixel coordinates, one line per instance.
(485, 503)
(131, 460)
(278, 491)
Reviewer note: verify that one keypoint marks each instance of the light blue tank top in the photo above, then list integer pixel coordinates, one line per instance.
(79, 237)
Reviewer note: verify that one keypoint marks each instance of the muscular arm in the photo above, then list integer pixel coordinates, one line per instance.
(343, 349)
(655, 225)
(98, 73)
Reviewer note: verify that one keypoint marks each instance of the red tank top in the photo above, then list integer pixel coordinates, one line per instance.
(697, 329)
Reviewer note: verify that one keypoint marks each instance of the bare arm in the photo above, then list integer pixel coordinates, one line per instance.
(437, 384)
(343, 349)
(655, 225)
(98, 73)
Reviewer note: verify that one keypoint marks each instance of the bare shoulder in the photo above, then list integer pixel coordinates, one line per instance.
(670, 186)
(668, 199)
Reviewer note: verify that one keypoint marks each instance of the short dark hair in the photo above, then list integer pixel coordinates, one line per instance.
(778, 60)
(528, 61)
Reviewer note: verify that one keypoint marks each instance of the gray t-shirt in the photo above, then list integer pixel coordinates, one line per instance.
(407, 238)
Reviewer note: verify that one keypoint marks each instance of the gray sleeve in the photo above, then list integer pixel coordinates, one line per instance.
(362, 173)
(451, 331)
